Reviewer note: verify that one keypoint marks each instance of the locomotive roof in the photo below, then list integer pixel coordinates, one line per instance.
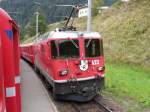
(73, 34)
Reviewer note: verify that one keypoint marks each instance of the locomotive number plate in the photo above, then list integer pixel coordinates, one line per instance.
(95, 62)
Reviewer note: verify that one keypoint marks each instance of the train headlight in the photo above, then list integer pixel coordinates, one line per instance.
(101, 68)
(63, 72)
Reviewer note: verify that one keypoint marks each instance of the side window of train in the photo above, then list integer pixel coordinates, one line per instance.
(54, 52)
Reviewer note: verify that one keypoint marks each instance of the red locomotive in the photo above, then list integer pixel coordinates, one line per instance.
(72, 62)
(9, 65)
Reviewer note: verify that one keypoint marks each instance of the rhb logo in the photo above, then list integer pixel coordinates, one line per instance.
(9, 34)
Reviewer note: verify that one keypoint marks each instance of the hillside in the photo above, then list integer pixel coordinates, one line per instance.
(126, 32)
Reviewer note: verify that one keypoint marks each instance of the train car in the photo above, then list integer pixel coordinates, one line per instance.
(10, 100)
(72, 62)
(27, 52)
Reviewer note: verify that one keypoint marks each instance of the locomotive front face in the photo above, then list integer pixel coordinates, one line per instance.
(77, 58)
(78, 66)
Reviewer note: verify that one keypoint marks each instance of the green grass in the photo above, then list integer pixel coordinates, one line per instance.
(129, 82)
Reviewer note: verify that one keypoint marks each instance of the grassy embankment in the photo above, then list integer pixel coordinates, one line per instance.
(129, 85)
(126, 33)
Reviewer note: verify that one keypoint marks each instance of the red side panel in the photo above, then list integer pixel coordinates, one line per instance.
(2, 93)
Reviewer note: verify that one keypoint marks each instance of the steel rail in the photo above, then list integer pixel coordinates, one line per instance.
(76, 107)
(102, 106)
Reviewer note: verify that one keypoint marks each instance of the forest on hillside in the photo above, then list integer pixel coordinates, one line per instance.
(23, 10)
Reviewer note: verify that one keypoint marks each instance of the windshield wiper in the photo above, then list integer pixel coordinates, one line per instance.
(74, 43)
(87, 45)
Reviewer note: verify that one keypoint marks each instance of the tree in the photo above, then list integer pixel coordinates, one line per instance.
(32, 24)
(96, 4)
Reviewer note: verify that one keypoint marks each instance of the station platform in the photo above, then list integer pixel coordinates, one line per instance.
(35, 97)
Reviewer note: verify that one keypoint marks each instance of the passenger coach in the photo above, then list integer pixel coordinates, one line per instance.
(27, 52)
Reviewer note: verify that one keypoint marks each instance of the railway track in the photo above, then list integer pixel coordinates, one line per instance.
(102, 106)
(92, 106)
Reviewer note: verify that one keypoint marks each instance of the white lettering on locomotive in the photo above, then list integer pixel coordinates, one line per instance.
(95, 62)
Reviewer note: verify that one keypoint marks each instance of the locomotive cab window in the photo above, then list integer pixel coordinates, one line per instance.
(54, 50)
(65, 48)
(93, 47)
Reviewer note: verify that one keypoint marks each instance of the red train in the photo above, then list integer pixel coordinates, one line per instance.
(27, 52)
(71, 61)
(10, 100)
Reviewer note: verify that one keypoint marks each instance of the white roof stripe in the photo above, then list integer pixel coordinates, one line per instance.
(73, 34)
(64, 35)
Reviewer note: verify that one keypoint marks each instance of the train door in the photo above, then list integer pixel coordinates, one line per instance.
(30, 53)
(47, 57)
(16, 56)
(39, 57)
(43, 56)
(2, 93)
